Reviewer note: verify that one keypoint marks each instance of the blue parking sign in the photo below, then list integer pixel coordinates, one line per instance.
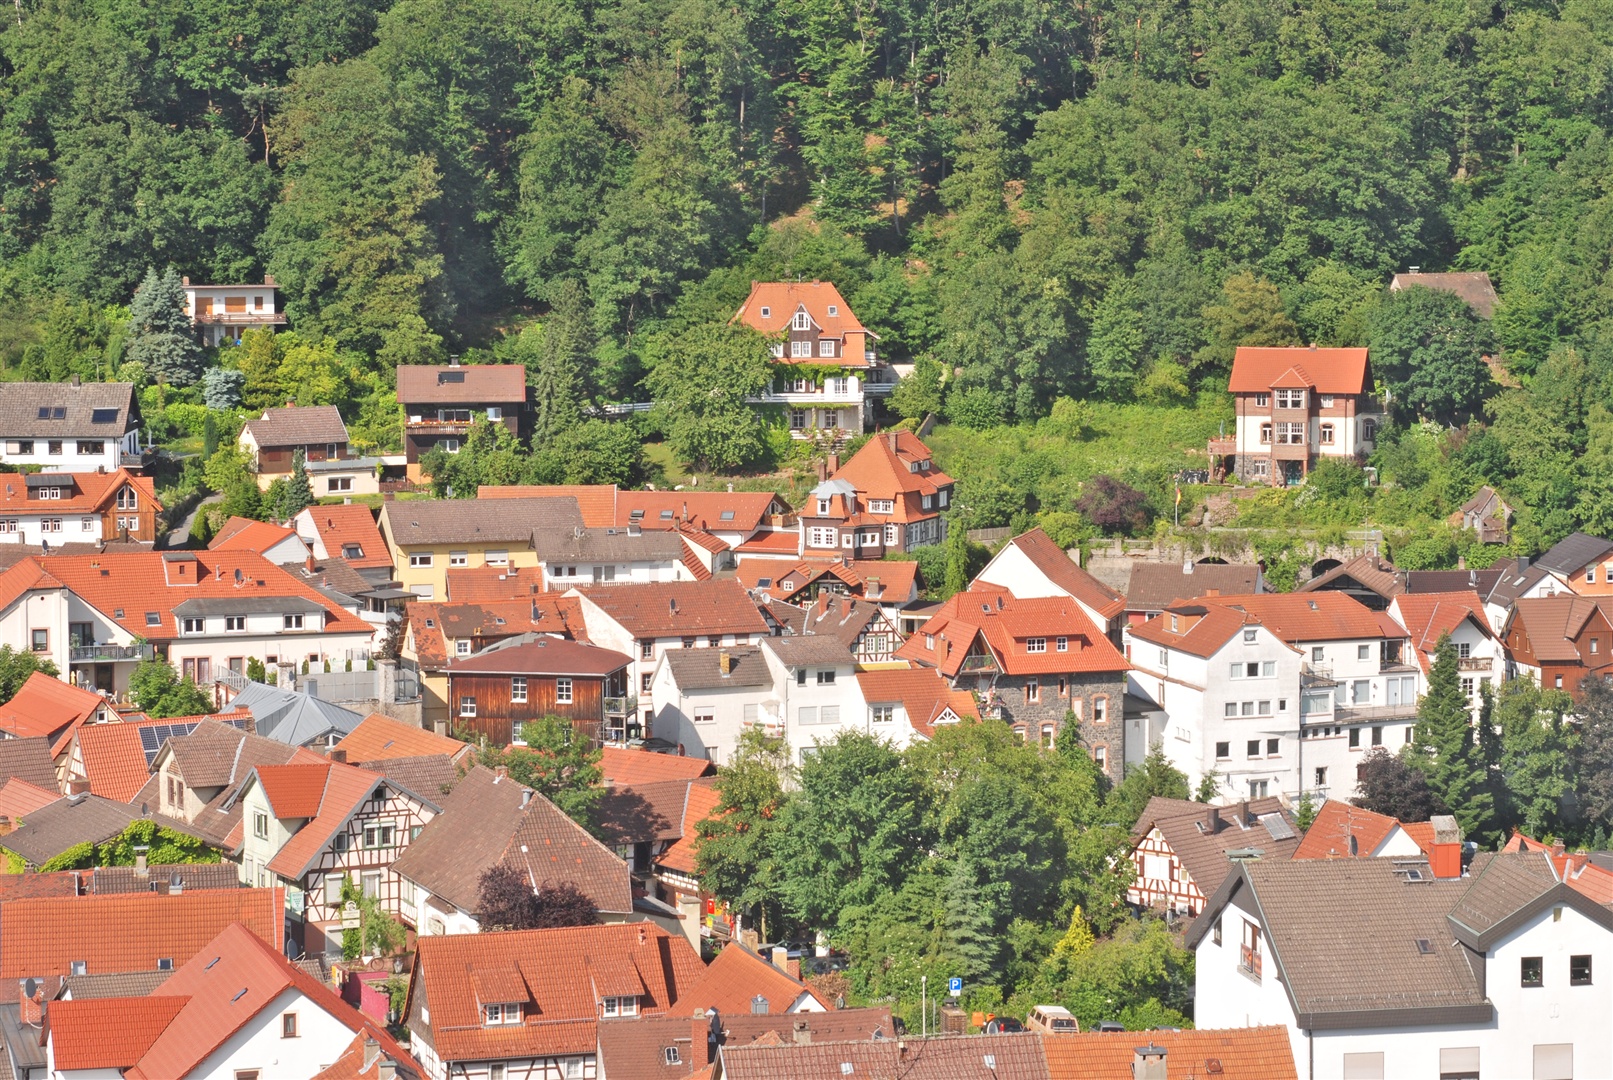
(954, 986)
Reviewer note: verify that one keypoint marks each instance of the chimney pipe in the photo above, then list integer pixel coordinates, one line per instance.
(339, 757)
(701, 1026)
(1243, 814)
(803, 1033)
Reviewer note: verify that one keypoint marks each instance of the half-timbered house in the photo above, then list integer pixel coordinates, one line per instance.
(1183, 850)
(314, 828)
(515, 681)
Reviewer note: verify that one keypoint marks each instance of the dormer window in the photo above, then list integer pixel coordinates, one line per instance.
(619, 1006)
(352, 551)
(127, 499)
(823, 507)
(1036, 645)
(802, 321)
(1290, 399)
(508, 1012)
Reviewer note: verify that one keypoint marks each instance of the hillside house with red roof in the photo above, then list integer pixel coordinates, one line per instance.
(1274, 692)
(1031, 566)
(1031, 663)
(1480, 658)
(53, 709)
(888, 497)
(440, 401)
(277, 543)
(827, 366)
(314, 828)
(1344, 831)
(532, 1000)
(1560, 641)
(1296, 406)
(237, 1008)
(54, 508)
(349, 533)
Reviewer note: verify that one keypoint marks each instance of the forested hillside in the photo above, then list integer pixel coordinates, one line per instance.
(1093, 200)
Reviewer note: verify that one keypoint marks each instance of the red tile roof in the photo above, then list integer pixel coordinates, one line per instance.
(701, 804)
(1251, 1053)
(627, 767)
(1064, 572)
(782, 299)
(1201, 630)
(596, 502)
(924, 694)
(293, 791)
(19, 798)
(493, 584)
(242, 534)
(1336, 822)
(562, 971)
(1296, 617)
(113, 759)
(49, 707)
(746, 510)
(771, 543)
(881, 470)
(736, 977)
(108, 1033)
(230, 981)
(82, 492)
(340, 526)
(379, 738)
(136, 583)
(128, 931)
(344, 788)
(895, 580)
(678, 608)
(1006, 626)
(1327, 371)
(469, 384)
(23, 578)
(431, 626)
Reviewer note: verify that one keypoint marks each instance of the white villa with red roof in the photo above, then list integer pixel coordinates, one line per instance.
(829, 367)
(1295, 406)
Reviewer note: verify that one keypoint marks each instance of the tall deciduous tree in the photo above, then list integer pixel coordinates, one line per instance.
(735, 857)
(160, 333)
(556, 762)
(1248, 312)
(1429, 347)
(159, 691)
(16, 666)
(700, 386)
(1535, 754)
(1389, 786)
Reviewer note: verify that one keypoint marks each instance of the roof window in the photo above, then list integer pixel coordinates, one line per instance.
(636, 515)
(103, 416)
(666, 515)
(153, 618)
(833, 310)
(727, 515)
(766, 312)
(450, 377)
(1424, 947)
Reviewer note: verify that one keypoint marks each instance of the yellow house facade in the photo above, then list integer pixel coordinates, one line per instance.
(429, 538)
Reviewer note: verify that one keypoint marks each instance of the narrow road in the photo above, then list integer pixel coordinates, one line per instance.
(179, 535)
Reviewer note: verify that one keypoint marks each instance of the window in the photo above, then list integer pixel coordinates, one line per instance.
(1100, 710)
(1467, 686)
(462, 647)
(40, 640)
(1100, 754)
(236, 623)
(644, 682)
(1232, 708)
(669, 1056)
(1369, 430)
(1558, 682)
(1327, 434)
(1262, 401)
(54, 447)
(260, 825)
(458, 558)
(1262, 467)
(78, 967)
(128, 500)
(86, 524)
(1249, 951)
(518, 688)
(1272, 746)
(495, 412)
(288, 1025)
(1036, 645)
(1033, 690)
(1291, 434)
(1249, 637)
(497, 558)
(338, 484)
(826, 677)
(1317, 654)
(1290, 399)
(1367, 1066)
(1355, 738)
(378, 836)
(562, 691)
(881, 506)
(505, 1013)
(1047, 736)
(1062, 644)
(826, 347)
(246, 1074)
(1223, 751)
(467, 705)
(1265, 434)
(1321, 777)
(420, 559)
(882, 714)
(293, 622)
(1254, 748)
(333, 889)
(339, 843)
(1579, 971)
(1532, 971)
(799, 349)
(802, 321)
(372, 885)
(195, 626)
(766, 312)
(51, 525)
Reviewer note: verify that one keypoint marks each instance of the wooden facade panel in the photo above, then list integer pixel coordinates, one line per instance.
(499, 716)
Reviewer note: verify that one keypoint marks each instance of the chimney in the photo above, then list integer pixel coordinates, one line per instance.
(725, 663)
(1445, 855)
(339, 757)
(141, 868)
(78, 786)
(372, 1050)
(890, 437)
(1148, 1063)
(1243, 815)
(501, 772)
(387, 1070)
(781, 957)
(1461, 562)
(803, 1033)
(822, 470)
(75, 382)
(700, 1038)
(1523, 563)
(31, 1000)
(834, 461)
(526, 797)
(311, 563)
(1212, 821)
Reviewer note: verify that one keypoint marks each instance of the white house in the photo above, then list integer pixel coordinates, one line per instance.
(1379, 968)
(221, 312)
(602, 556)
(69, 427)
(1031, 565)
(1480, 658)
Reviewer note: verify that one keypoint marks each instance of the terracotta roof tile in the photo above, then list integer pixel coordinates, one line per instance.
(711, 511)
(493, 584)
(19, 798)
(738, 976)
(925, 696)
(678, 608)
(1067, 574)
(595, 502)
(881, 471)
(1207, 628)
(1368, 570)
(378, 738)
(467, 384)
(1153, 585)
(108, 1033)
(1552, 622)
(294, 791)
(543, 655)
(1336, 822)
(249, 535)
(339, 528)
(781, 300)
(129, 931)
(625, 767)
(345, 788)
(702, 804)
(1008, 626)
(1252, 1053)
(22, 578)
(49, 707)
(114, 759)
(646, 812)
(28, 759)
(81, 492)
(1012, 1057)
(1428, 616)
(771, 543)
(486, 521)
(350, 1065)
(1327, 371)
(1297, 617)
(558, 967)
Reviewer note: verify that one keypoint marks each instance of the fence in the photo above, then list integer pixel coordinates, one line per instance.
(341, 685)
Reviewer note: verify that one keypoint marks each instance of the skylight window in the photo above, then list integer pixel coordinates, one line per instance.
(727, 515)
(103, 416)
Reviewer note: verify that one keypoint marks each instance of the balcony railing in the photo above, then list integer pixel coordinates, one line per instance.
(242, 318)
(1221, 447)
(978, 663)
(1316, 673)
(1249, 962)
(101, 654)
(616, 706)
(1473, 663)
(1347, 714)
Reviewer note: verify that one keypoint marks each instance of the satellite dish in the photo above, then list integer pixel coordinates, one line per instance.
(238, 575)
(145, 809)
(30, 988)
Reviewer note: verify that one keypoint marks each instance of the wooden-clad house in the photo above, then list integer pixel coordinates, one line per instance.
(493, 692)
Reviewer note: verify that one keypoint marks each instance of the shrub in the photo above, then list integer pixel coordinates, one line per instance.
(1113, 506)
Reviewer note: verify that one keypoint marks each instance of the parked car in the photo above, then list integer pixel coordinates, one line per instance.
(1052, 1020)
(1003, 1025)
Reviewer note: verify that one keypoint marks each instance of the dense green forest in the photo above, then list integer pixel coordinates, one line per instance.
(1095, 201)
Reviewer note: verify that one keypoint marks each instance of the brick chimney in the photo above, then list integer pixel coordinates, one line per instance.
(78, 786)
(1212, 821)
(890, 437)
(32, 1008)
(701, 1028)
(339, 757)
(802, 1032)
(1445, 854)
(725, 663)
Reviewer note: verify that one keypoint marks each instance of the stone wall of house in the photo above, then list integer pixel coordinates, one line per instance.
(1051, 707)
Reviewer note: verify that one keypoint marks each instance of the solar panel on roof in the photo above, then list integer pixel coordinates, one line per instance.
(1277, 826)
(104, 416)
(152, 736)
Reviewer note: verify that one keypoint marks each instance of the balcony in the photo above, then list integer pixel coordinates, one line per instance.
(880, 382)
(1316, 674)
(106, 654)
(1224, 446)
(616, 706)
(241, 318)
(1249, 962)
(437, 427)
(977, 664)
(1370, 714)
(1482, 664)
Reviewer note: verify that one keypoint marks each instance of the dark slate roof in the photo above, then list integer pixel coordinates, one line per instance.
(1502, 887)
(298, 426)
(1204, 853)
(809, 650)
(116, 985)
(1574, 552)
(1515, 580)
(52, 829)
(1472, 286)
(484, 823)
(1153, 585)
(28, 760)
(608, 545)
(123, 879)
(20, 403)
(1434, 581)
(698, 669)
(431, 776)
(644, 813)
